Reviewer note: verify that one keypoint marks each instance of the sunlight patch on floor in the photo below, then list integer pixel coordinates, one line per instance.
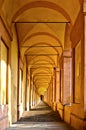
(39, 125)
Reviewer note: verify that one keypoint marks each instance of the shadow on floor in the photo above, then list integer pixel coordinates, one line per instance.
(49, 117)
(41, 117)
(41, 109)
(41, 113)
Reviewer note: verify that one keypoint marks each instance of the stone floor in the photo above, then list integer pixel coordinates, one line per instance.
(40, 118)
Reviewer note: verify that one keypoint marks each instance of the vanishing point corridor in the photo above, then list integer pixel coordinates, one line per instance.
(41, 117)
(42, 58)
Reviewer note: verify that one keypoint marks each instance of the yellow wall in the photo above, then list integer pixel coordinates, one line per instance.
(14, 76)
(24, 85)
(3, 73)
(78, 72)
(0, 72)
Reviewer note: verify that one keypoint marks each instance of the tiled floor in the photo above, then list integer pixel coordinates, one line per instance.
(40, 118)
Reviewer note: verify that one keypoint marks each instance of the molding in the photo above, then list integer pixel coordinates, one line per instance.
(7, 46)
(62, 109)
(21, 63)
(77, 30)
(6, 26)
(67, 53)
(84, 7)
(83, 119)
(61, 59)
(67, 56)
(4, 117)
(4, 34)
(57, 69)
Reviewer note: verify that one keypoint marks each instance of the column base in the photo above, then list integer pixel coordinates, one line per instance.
(77, 122)
(54, 106)
(4, 120)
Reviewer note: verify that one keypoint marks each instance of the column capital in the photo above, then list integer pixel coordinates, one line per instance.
(67, 53)
(84, 7)
(57, 69)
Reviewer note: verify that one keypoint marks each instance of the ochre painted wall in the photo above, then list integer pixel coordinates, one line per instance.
(5, 39)
(24, 85)
(78, 73)
(77, 108)
(3, 73)
(14, 76)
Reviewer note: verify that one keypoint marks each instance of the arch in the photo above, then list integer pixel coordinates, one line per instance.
(41, 60)
(32, 46)
(37, 68)
(45, 4)
(42, 33)
(81, 2)
(34, 57)
(39, 80)
(44, 73)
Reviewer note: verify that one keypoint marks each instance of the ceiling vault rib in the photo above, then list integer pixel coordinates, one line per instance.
(40, 54)
(44, 74)
(39, 46)
(42, 64)
(41, 22)
(41, 67)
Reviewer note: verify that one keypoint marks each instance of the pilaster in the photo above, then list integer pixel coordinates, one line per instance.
(67, 77)
(84, 10)
(57, 85)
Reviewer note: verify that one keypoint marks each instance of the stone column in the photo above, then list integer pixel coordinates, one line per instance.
(54, 89)
(54, 84)
(26, 85)
(57, 85)
(48, 95)
(33, 95)
(30, 85)
(67, 77)
(32, 88)
(84, 55)
(27, 94)
(51, 84)
(0, 69)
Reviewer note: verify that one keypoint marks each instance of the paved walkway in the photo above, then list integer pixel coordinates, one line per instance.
(40, 118)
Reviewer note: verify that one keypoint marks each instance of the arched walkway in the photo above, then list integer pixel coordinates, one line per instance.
(42, 64)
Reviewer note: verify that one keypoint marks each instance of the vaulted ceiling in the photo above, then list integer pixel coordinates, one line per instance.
(41, 31)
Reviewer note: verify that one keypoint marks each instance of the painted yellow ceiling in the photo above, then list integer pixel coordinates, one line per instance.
(57, 30)
(14, 8)
(41, 29)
